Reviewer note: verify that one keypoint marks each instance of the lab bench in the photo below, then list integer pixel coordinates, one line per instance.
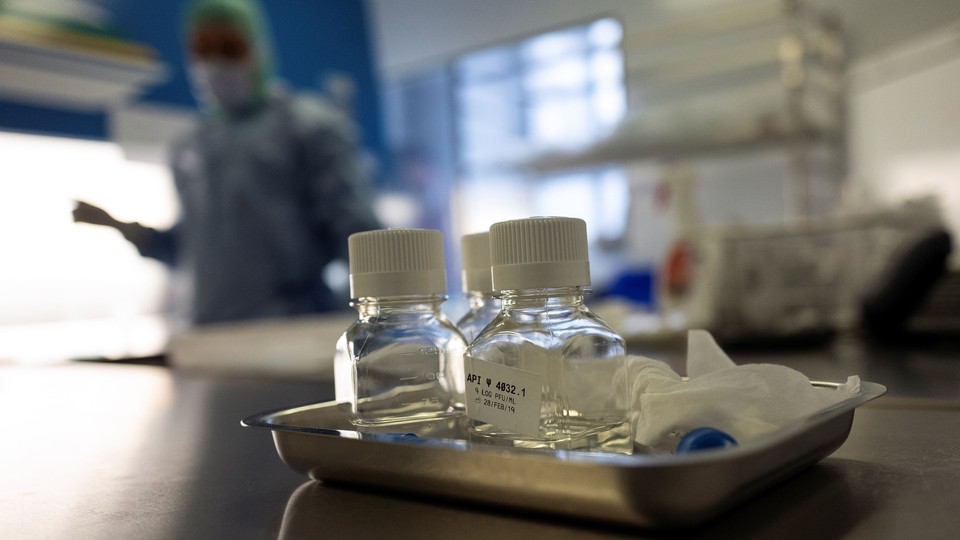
(97, 450)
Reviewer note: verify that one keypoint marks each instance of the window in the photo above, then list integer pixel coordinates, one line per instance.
(73, 290)
(467, 125)
(556, 91)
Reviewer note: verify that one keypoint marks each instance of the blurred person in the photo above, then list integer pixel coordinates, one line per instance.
(269, 184)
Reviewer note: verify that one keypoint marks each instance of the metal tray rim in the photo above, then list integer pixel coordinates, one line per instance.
(649, 491)
(868, 392)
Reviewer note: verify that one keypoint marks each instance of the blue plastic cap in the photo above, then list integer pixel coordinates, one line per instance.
(704, 438)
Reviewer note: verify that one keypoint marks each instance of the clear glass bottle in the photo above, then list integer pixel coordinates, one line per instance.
(477, 285)
(543, 374)
(402, 359)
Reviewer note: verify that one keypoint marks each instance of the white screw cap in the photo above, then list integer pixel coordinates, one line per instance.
(539, 253)
(475, 261)
(396, 262)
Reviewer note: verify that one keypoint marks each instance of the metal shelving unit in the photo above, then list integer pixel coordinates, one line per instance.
(755, 76)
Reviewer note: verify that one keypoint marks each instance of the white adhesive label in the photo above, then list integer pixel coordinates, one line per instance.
(506, 397)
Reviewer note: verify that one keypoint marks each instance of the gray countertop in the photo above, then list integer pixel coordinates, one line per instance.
(94, 450)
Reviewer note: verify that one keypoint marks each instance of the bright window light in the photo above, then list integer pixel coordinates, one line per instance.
(488, 64)
(606, 67)
(569, 196)
(609, 106)
(605, 33)
(554, 45)
(563, 90)
(56, 272)
(613, 201)
(566, 75)
(561, 122)
(498, 198)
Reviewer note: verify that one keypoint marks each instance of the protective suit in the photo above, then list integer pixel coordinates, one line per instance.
(269, 186)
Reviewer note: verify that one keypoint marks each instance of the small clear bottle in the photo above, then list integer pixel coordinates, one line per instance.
(402, 359)
(477, 285)
(543, 374)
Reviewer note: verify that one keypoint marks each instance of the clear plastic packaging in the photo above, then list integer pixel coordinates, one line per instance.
(402, 359)
(543, 373)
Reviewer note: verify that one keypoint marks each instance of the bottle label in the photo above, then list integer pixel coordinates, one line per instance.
(506, 397)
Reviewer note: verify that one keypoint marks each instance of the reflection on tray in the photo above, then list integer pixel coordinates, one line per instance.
(316, 509)
(320, 509)
(452, 432)
(655, 491)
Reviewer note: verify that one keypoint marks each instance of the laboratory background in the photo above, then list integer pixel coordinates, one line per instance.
(784, 174)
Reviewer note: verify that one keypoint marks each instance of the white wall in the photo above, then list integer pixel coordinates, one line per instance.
(905, 124)
(411, 34)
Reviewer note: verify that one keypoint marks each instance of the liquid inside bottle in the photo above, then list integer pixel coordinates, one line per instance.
(573, 357)
(402, 360)
(483, 309)
(477, 284)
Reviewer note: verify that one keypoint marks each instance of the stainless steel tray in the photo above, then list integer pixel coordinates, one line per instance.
(654, 491)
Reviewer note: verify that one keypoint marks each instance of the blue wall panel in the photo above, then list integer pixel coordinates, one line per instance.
(158, 25)
(311, 39)
(46, 121)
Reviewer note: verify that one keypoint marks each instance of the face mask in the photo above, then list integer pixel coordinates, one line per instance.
(227, 85)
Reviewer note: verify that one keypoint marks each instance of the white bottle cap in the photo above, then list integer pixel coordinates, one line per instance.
(475, 260)
(539, 253)
(396, 262)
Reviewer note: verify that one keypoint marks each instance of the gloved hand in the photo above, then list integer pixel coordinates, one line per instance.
(85, 212)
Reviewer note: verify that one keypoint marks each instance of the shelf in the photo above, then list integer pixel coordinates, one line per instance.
(626, 146)
(45, 65)
(735, 81)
